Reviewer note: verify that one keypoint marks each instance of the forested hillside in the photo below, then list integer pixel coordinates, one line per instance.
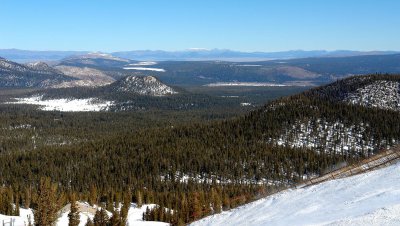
(195, 168)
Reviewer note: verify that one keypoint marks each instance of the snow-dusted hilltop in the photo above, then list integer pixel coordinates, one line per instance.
(383, 94)
(379, 91)
(321, 126)
(368, 199)
(143, 85)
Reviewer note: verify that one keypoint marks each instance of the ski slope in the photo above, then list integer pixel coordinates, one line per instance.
(371, 198)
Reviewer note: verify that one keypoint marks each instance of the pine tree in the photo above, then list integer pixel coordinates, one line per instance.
(73, 215)
(16, 211)
(93, 195)
(139, 199)
(125, 207)
(27, 198)
(115, 219)
(46, 211)
(89, 222)
(101, 218)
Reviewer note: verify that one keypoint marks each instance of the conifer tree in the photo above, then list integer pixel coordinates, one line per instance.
(27, 198)
(115, 219)
(73, 216)
(93, 195)
(101, 218)
(46, 211)
(89, 222)
(139, 199)
(125, 207)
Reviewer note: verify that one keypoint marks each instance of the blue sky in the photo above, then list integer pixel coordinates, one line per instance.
(245, 25)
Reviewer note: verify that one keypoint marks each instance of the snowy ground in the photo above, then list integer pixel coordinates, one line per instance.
(134, 217)
(368, 199)
(145, 69)
(217, 84)
(71, 105)
(20, 220)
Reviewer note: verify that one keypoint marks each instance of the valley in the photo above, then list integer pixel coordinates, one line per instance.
(191, 140)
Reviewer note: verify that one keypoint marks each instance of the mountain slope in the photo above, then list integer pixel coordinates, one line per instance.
(367, 199)
(38, 75)
(380, 91)
(85, 77)
(330, 119)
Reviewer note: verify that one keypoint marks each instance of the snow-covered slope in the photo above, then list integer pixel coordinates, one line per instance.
(372, 198)
(147, 85)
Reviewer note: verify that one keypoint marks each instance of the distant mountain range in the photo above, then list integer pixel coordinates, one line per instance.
(186, 55)
(99, 69)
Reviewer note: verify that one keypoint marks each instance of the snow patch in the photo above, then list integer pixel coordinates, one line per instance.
(144, 69)
(216, 84)
(67, 105)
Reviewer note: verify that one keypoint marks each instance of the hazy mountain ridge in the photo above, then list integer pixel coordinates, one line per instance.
(190, 54)
(32, 75)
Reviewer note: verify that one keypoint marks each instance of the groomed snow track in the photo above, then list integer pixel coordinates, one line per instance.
(383, 159)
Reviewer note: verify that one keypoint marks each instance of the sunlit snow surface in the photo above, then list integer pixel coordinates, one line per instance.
(367, 199)
(217, 84)
(140, 66)
(144, 69)
(71, 105)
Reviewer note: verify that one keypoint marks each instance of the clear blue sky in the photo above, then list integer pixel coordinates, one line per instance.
(246, 25)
